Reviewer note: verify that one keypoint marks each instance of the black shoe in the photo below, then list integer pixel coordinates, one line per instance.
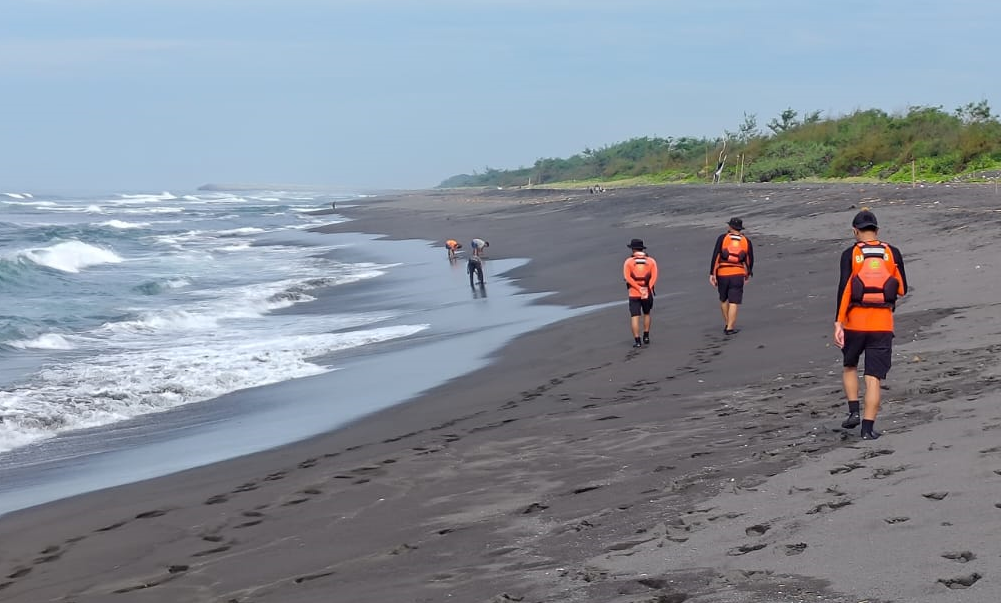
(646, 339)
(871, 435)
(731, 331)
(637, 345)
(852, 421)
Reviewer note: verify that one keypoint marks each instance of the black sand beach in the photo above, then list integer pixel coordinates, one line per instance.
(702, 468)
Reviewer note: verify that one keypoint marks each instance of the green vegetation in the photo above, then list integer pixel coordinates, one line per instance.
(872, 145)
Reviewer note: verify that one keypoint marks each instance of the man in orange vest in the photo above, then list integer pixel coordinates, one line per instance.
(731, 266)
(640, 272)
(452, 245)
(872, 278)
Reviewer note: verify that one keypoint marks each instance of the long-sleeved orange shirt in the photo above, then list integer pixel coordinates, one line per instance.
(630, 272)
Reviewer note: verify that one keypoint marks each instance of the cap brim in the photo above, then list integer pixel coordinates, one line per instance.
(866, 225)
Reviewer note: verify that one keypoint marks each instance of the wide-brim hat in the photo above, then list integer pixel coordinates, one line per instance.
(736, 224)
(636, 244)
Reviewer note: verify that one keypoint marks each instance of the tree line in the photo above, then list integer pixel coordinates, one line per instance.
(929, 144)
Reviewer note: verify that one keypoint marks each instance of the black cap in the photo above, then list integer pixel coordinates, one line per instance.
(736, 224)
(865, 219)
(636, 244)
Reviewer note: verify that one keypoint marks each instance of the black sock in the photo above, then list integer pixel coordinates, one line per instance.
(637, 340)
(867, 425)
(646, 334)
(853, 406)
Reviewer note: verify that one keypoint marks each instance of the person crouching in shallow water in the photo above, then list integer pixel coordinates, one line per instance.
(732, 265)
(872, 278)
(640, 272)
(478, 246)
(452, 246)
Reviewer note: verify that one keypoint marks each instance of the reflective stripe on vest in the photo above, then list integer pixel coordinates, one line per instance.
(733, 251)
(873, 284)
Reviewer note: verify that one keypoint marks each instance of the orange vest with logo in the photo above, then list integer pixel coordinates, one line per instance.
(732, 255)
(874, 283)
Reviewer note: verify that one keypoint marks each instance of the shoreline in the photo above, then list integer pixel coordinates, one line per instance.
(570, 466)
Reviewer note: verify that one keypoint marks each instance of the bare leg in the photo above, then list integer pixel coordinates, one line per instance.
(635, 323)
(849, 377)
(731, 314)
(647, 320)
(725, 306)
(872, 397)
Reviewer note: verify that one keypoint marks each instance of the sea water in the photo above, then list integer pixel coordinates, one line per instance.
(142, 334)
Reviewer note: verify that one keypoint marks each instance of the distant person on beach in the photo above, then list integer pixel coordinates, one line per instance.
(478, 246)
(640, 272)
(452, 245)
(872, 278)
(474, 266)
(732, 265)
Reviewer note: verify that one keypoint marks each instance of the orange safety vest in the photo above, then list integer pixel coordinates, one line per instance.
(642, 269)
(452, 244)
(732, 255)
(873, 283)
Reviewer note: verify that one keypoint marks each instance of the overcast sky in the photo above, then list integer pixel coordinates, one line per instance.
(171, 94)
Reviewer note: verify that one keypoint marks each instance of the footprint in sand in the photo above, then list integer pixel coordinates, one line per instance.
(893, 520)
(151, 514)
(310, 577)
(935, 495)
(960, 582)
(757, 529)
(960, 556)
(795, 549)
(745, 549)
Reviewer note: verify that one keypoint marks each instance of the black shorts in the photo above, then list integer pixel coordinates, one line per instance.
(878, 348)
(731, 288)
(639, 306)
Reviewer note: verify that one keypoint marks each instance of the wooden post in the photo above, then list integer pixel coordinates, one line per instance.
(742, 168)
(707, 160)
(913, 183)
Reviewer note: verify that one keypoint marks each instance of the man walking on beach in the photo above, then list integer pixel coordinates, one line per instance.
(732, 265)
(872, 278)
(640, 272)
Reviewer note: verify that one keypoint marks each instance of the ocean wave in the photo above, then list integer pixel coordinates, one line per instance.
(29, 203)
(122, 225)
(247, 301)
(75, 395)
(164, 196)
(19, 195)
(240, 231)
(49, 341)
(69, 256)
(155, 287)
(152, 210)
(243, 246)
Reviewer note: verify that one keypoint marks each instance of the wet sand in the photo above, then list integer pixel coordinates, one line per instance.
(701, 468)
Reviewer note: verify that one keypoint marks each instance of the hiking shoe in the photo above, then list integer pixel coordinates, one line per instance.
(637, 345)
(646, 339)
(852, 421)
(731, 331)
(871, 435)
